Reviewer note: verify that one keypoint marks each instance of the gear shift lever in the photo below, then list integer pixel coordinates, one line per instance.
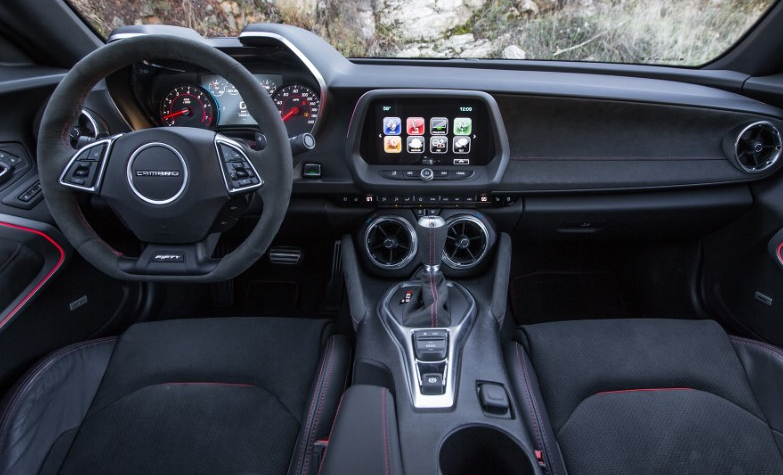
(429, 306)
(431, 233)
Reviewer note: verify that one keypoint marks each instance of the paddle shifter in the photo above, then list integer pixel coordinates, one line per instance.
(429, 303)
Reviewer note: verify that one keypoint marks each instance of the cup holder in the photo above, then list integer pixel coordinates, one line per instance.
(481, 449)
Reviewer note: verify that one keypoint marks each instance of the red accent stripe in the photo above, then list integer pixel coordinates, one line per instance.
(780, 249)
(644, 390)
(44, 280)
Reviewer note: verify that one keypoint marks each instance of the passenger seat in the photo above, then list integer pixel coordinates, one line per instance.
(649, 397)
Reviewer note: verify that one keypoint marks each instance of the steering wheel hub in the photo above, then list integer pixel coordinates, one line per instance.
(157, 173)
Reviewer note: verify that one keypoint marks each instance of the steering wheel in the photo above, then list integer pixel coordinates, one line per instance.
(170, 186)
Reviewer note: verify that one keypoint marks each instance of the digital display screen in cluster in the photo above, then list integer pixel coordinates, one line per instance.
(231, 106)
(428, 132)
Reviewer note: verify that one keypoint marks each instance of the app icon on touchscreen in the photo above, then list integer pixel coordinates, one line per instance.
(415, 144)
(415, 125)
(463, 126)
(439, 144)
(392, 144)
(439, 126)
(392, 126)
(461, 144)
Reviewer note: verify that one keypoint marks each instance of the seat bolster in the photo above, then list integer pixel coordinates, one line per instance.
(763, 364)
(328, 385)
(531, 408)
(52, 398)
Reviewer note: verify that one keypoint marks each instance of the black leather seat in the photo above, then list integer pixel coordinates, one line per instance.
(211, 396)
(649, 397)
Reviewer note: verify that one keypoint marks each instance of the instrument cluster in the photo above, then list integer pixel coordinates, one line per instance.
(174, 97)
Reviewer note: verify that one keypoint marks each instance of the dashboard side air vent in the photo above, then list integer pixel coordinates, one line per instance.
(390, 242)
(467, 242)
(754, 148)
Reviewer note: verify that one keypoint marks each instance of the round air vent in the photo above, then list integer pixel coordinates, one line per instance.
(390, 242)
(757, 147)
(467, 242)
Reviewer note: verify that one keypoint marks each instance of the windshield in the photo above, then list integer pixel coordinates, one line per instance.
(671, 32)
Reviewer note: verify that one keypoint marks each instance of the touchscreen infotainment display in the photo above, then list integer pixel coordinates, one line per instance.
(427, 131)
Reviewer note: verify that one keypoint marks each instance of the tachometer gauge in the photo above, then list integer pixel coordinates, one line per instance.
(188, 106)
(217, 87)
(299, 107)
(269, 85)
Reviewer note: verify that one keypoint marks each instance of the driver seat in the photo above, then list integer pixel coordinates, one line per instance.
(208, 396)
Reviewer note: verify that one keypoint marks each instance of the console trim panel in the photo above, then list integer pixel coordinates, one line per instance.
(403, 338)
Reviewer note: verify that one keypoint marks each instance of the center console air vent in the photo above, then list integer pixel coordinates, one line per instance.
(755, 148)
(390, 242)
(467, 242)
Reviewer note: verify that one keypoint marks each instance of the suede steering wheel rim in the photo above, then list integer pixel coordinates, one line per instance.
(273, 164)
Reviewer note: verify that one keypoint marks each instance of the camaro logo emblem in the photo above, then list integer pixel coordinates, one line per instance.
(158, 173)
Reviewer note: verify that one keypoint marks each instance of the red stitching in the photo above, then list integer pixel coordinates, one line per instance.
(638, 158)
(641, 390)
(304, 448)
(770, 349)
(433, 310)
(325, 386)
(209, 383)
(385, 435)
(539, 423)
(331, 431)
(537, 433)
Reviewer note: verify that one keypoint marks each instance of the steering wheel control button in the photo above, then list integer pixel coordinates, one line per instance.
(85, 169)
(223, 223)
(167, 257)
(311, 170)
(239, 173)
(427, 174)
(157, 173)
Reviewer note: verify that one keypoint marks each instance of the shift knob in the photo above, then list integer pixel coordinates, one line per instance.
(431, 233)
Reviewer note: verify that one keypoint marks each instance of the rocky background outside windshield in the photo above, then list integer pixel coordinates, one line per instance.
(675, 32)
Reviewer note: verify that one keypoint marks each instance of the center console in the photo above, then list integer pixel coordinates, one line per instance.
(427, 278)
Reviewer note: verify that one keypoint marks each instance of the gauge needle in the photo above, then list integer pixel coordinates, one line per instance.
(291, 113)
(175, 114)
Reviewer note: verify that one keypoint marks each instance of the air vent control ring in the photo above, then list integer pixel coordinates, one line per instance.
(756, 147)
(467, 242)
(390, 242)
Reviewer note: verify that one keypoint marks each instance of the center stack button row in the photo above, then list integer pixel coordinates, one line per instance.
(425, 173)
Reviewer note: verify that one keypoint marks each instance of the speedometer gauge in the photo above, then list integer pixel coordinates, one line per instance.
(299, 107)
(188, 106)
